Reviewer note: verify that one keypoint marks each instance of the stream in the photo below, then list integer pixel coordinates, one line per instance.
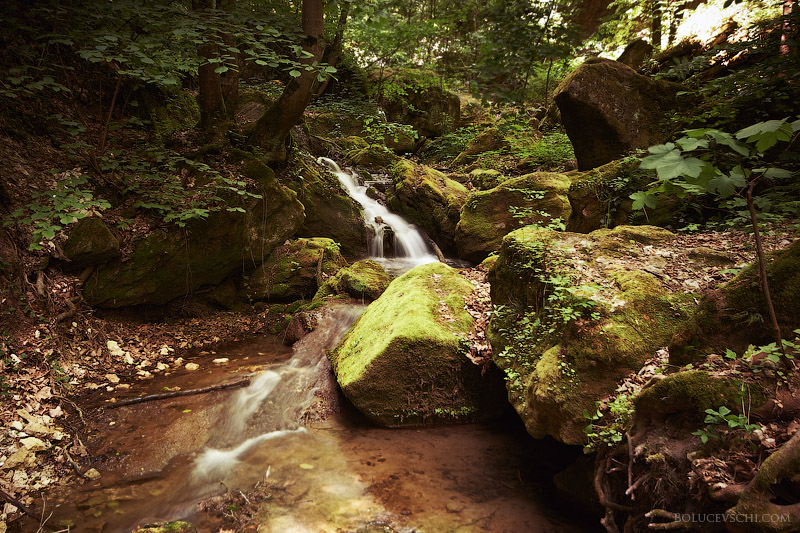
(325, 468)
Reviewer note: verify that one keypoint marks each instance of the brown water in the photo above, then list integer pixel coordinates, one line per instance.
(334, 473)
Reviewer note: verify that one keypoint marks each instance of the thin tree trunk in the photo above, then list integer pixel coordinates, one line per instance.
(272, 129)
(334, 51)
(229, 80)
(210, 99)
(655, 27)
(762, 274)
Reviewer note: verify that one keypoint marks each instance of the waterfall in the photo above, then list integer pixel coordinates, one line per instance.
(409, 244)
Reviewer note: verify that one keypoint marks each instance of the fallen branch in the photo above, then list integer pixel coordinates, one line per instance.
(152, 397)
(16, 503)
(69, 313)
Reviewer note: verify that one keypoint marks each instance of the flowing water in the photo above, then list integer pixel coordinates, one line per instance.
(321, 473)
(410, 249)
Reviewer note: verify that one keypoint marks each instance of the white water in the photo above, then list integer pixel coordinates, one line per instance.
(275, 402)
(410, 247)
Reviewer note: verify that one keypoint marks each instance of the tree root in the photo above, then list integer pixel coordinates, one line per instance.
(602, 488)
(676, 522)
(165, 395)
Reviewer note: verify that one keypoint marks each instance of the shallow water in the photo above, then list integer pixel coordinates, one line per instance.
(334, 473)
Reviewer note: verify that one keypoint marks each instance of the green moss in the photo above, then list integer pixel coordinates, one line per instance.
(694, 392)
(372, 157)
(486, 179)
(169, 527)
(363, 279)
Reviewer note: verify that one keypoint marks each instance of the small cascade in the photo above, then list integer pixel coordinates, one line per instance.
(409, 245)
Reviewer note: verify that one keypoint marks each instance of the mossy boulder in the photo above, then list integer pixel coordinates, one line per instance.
(169, 264)
(485, 179)
(167, 527)
(364, 280)
(372, 157)
(90, 243)
(489, 140)
(329, 212)
(168, 112)
(417, 98)
(429, 199)
(294, 271)
(405, 360)
(608, 109)
(564, 338)
(487, 216)
(735, 315)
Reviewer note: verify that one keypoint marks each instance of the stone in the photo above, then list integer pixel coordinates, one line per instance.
(90, 243)
(168, 264)
(608, 109)
(421, 102)
(364, 280)
(372, 157)
(429, 199)
(636, 53)
(92, 474)
(563, 349)
(405, 361)
(485, 179)
(487, 216)
(489, 140)
(191, 367)
(33, 444)
(294, 271)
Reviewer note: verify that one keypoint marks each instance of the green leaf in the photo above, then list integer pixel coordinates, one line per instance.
(295, 73)
(670, 165)
(726, 186)
(641, 200)
(688, 144)
(221, 69)
(777, 174)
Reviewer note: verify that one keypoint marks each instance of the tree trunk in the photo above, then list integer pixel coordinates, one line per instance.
(334, 51)
(272, 129)
(229, 80)
(210, 98)
(655, 27)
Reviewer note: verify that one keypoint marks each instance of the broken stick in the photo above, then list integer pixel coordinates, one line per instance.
(151, 397)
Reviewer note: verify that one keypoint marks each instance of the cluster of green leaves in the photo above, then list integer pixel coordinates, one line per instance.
(725, 166)
(52, 210)
(376, 129)
(724, 417)
(449, 145)
(552, 152)
(760, 359)
(529, 215)
(608, 427)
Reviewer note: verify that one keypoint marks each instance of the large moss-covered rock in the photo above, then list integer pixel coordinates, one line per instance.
(168, 112)
(169, 264)
(429, 199)
(364, 280)
(89, 243)
(487, 216)
(485, 179)
(735, 315)
(405, 360)
(489, 140)
(294, 271)
(372, 157)
(329, 211)
(608, 109)
(578, 313)
(418, 99)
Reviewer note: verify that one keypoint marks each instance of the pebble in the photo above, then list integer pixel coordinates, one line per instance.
(112, 378)
(92, 474)
(221, 361)
(191, 366)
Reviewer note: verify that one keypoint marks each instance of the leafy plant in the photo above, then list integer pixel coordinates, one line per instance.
(617, 418)
(723, 417)
(52, 210)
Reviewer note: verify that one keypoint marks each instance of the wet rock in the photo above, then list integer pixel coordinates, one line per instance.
(429, 199)
(489, 140)
(564, 348)
(90, 243)
(372, 157)
(329, 212)
(487, 216)
(608, 109)
(300, 325)
(365, 280)
(294, 271)
(405, 360)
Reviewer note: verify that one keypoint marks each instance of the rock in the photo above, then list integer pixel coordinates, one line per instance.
(416, 98)
(429, 199)
(608, 109)
(636, 53)
(32, 444)
(167, 527)
(725, 317)
(371, 157)
(114, 349)
(167, 111)
(90, 243)
(489, 140)
(221, 361)
(191, 367)
(329, 211)
(112, 378)
(489, 215)
(211, 250)
(294, 271)
(300, 325)
(22, 457)
(365, 280)
(486, 179)
(405, 360)
(565, 342)
(92, 474)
